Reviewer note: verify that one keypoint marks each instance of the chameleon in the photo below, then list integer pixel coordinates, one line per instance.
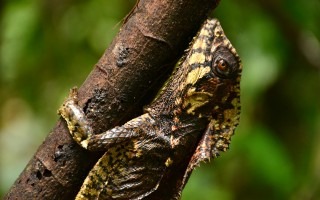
(190, 121)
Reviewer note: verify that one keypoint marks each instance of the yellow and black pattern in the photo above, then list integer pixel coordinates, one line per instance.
(195, 114)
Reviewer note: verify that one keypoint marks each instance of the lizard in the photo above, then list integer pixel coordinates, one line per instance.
(195, 113)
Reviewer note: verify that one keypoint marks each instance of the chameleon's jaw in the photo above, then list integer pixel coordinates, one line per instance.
(194, 100)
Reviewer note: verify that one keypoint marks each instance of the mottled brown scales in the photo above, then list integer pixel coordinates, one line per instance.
(195, 114)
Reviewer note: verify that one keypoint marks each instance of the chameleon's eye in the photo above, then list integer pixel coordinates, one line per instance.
(222, 67)
(224, 63)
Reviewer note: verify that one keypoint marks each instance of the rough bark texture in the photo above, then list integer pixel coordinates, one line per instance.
(148, 44)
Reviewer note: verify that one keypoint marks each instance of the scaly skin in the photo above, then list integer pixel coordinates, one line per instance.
(195, 114)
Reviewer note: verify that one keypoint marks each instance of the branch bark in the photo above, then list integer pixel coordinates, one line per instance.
(147, 46)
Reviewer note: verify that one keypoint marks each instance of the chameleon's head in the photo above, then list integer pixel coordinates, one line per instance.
(212, 86)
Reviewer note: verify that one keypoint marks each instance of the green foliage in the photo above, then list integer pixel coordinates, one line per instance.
(48, 47)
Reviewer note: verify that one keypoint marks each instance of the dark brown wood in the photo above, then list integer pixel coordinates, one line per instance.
(150, 41)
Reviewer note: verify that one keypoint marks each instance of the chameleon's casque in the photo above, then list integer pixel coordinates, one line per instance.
(191, 120)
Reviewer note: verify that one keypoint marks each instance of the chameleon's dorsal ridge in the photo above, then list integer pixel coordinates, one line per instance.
(190, 121)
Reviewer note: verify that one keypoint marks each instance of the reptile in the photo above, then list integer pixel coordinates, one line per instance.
(190, 121)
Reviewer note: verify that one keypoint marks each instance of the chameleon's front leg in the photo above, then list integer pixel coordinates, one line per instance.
(77, 122)
(81, 131)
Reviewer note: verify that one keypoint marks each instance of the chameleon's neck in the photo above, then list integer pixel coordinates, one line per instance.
(170, 97)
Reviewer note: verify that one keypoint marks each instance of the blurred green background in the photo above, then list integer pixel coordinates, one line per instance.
(47, 47)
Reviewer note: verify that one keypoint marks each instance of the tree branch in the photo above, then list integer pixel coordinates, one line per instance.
(148, 44)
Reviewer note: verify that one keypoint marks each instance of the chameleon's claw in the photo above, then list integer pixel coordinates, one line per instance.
(77, 122)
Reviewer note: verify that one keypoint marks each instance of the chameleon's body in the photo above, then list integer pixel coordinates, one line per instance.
(195, 114)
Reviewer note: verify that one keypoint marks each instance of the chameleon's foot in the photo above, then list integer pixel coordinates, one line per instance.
(78, 125)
